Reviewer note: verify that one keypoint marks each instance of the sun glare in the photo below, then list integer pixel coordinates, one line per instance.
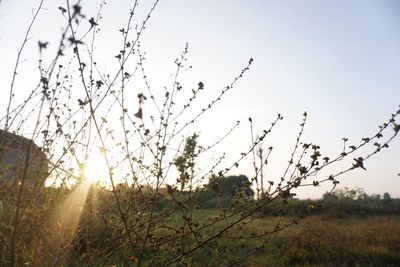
(96, 169)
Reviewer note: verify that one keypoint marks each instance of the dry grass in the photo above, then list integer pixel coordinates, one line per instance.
(347, 242)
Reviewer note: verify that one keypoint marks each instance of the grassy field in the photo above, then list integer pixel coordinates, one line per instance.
(328, 237)
(344, 242)
(315, 241)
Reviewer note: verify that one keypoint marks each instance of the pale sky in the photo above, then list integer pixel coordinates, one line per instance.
(337, 60)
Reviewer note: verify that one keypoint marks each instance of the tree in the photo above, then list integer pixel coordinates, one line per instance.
(230, 186)
(387, 200)
(386, 196)
(185, 163)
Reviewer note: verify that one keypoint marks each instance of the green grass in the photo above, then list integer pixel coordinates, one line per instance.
(318, 240)
(315, 241)
(348, 242)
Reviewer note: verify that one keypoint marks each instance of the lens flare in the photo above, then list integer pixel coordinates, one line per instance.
(65, 221)
(96, 169)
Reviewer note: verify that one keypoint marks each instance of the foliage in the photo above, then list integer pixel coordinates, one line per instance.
(335, 206)
(366, 241)
(355, 202)
(185, 163)
(224, 192)
(232, 185)
(138, 215)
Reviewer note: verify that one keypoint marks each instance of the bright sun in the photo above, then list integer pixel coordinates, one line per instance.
(96, 169)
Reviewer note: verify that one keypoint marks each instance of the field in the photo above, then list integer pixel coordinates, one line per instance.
(342, 232)
(343, 242)
(315, 241)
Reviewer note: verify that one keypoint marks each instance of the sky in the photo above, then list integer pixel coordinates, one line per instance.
(337, 60)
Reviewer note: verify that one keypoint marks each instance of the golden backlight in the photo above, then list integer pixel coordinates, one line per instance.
(96, 170)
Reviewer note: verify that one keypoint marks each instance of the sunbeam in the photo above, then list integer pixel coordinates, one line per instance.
(65, 221)
(95, 170)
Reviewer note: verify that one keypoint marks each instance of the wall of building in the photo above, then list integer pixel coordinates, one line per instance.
(13, 156)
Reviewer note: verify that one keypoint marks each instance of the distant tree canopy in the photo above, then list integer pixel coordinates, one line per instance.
(386, 196)
(355, 202)
(225, 191)
(347, 194)
(231, 185)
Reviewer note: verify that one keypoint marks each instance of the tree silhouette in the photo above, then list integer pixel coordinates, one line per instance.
(185, 163)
